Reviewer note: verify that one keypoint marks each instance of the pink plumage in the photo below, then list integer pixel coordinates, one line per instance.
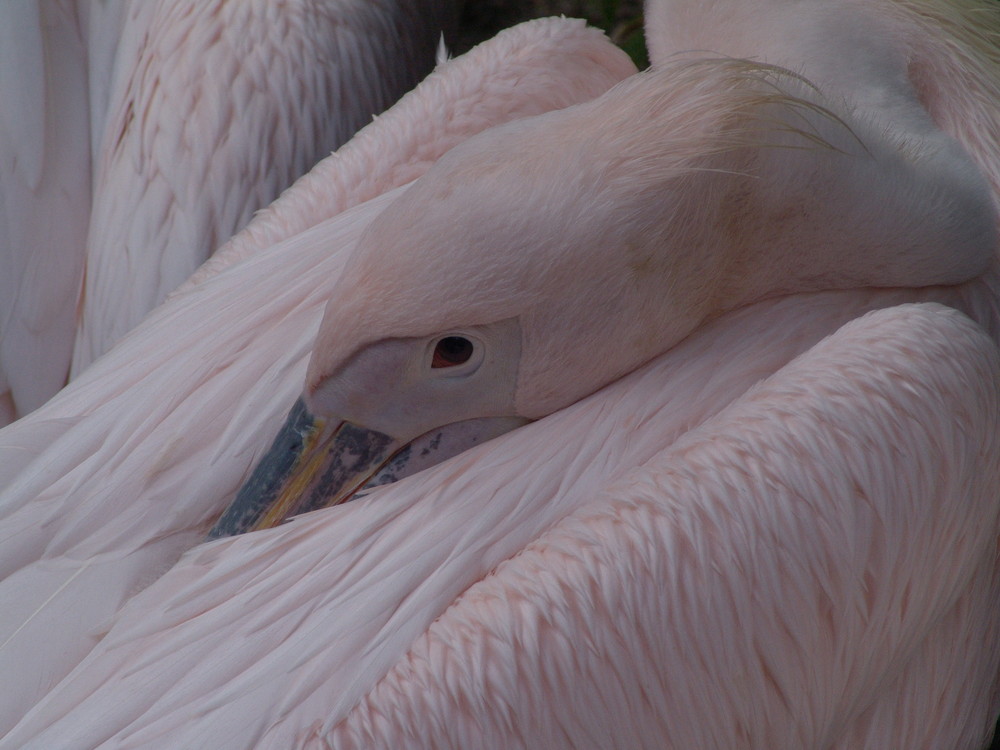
(780, 532)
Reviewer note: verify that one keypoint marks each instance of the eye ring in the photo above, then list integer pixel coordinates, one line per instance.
(452, 351)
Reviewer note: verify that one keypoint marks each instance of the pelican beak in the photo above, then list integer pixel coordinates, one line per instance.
(314, 464)
(311, 464)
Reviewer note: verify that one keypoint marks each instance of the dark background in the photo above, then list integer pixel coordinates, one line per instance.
(620, 19)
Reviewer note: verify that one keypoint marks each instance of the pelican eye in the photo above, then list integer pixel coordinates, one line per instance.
(452, 351)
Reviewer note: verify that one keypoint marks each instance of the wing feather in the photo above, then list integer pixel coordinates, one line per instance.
(44, 195)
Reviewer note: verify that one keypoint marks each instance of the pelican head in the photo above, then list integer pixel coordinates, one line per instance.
(543, 259)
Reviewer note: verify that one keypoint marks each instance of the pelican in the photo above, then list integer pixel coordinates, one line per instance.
(531, 69)
(711, 535)
(189, 116)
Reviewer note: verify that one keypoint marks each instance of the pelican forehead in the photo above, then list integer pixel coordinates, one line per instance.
(466, 245)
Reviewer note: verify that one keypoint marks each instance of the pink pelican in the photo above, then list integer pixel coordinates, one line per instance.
(746, 515)
(138, 137)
